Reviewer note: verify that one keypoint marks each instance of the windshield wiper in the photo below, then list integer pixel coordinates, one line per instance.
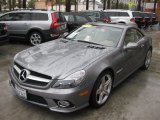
(89, 42)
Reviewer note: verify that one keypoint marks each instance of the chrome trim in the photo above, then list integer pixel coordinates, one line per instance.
(31, 77)
(17, 69)
(38, 79)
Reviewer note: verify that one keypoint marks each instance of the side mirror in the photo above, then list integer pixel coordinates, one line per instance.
(131, 46)
(63, 35)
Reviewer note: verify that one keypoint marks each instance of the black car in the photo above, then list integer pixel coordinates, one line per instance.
(139, 20)
(100, 16)
(75, 20)
(153, 17)
(146, 18)
(3, 34)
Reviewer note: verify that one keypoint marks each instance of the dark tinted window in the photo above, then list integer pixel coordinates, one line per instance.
(94, 14)
(6, 17)
(153, 15)
(15, 17)
(69, 18)
(60, 17)
(144, 14)
(81, 18)
(112, 13)
(123, 14)
(39, 16)
(136, 14)
(21, 16)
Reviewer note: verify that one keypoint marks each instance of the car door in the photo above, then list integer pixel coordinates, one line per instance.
(132, 58)
(142, 45)
(7, 19)
(20, 24)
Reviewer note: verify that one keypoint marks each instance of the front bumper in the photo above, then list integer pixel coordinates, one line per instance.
(48, 97)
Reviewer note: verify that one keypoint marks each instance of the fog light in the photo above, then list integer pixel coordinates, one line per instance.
(63, 104)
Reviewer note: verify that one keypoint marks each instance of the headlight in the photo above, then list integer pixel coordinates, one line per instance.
(71, 81)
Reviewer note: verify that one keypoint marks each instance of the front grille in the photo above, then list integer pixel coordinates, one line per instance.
(33, 78)
(36, 98)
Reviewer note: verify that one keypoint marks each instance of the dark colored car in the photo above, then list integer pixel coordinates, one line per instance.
(146, 18)
(3, 34)
(100, 16)
(35, 26)
(139, 20)
(75, 20)
(153, 17)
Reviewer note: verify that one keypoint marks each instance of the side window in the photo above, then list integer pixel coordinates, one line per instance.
(21, 16)
(130, 36)
(81, 18)
(123, 14)
(60, 17)
(39, 16)
(69, 18)
(112, 14)
(7, 17)
(139, 36)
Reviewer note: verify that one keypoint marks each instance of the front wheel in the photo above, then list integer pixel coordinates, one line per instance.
(147, 61)
(101, 90)
(35, 38)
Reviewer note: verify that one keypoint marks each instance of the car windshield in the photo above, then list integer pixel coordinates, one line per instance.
(103, 35)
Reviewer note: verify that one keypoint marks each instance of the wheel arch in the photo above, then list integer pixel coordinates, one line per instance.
(34, 30)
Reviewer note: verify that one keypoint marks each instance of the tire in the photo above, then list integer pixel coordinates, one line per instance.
(35, 38)
(101, 92)
(147, 60)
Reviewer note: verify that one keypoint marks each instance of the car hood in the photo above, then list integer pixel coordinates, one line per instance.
(60, 58)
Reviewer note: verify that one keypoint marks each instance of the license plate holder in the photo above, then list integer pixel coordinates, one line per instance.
(21, 92)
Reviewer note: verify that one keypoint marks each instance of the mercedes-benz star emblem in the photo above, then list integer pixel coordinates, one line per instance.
(23, 75)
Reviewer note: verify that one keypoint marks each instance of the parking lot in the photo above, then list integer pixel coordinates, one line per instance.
(137, 98)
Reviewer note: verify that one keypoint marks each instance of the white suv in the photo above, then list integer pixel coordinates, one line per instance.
(121, 16)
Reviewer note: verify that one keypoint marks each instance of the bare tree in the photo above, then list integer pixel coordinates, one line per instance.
(94, 1)
(24, 3)
(13, 4)
(9, 3)
(68, 5)
(139, 5)
(19, 3)
(108, 4)
(155, 2)
(87, 4)
(104, 4)
(117, 2)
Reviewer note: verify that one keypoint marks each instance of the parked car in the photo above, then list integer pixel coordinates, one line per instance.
(121, 16)
(153, 17)
(3, 34)
(80, 69)
(75, 20)
(147, 19)
(139, 20)
(99, 16)
(36, 26)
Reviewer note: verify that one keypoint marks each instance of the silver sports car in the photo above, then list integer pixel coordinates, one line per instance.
(81, 68)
